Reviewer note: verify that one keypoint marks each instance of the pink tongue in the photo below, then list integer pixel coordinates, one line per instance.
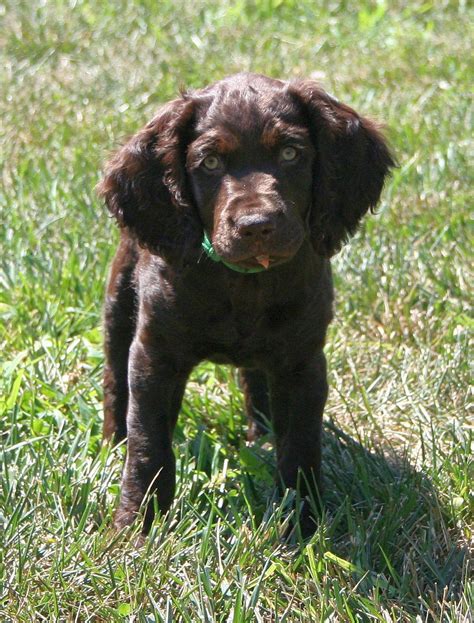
(264, 260)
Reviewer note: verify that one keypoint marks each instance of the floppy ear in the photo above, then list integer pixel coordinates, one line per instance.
(145, 185)
(352, 163)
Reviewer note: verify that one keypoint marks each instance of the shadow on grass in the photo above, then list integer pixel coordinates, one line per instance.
(386, 518)
(383, 527)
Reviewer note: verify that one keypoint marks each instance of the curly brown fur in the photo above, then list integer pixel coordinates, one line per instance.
(278, 174)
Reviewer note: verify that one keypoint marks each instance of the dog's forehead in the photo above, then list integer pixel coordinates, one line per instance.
(248, 111)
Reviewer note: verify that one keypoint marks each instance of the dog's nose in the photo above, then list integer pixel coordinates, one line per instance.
(255, 226)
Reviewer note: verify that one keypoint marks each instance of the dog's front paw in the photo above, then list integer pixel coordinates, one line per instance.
(124, 517)
(303, 523)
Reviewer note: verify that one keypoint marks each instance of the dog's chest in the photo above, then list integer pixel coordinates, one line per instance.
(244, 324)
(248, 321)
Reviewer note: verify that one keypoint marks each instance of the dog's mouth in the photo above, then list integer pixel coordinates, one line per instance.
(259, 256)
(264, 261)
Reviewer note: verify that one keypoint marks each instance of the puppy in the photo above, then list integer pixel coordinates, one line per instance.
(231, 201)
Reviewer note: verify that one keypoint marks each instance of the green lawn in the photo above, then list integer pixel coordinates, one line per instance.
(393, 543)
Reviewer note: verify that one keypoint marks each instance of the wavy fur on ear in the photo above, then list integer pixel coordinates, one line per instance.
(352, 163)
(145, 186)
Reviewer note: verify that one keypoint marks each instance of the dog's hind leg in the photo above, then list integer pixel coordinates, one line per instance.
(257, 403)
(119, 330)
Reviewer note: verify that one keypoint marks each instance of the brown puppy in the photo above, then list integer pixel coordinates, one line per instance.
(272, 177)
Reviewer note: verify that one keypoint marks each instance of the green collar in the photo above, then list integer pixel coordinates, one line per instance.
(211, 254)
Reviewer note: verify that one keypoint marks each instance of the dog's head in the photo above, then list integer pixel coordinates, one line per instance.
(256, 164)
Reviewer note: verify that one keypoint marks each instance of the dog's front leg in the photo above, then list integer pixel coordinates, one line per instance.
(156, 390)
(297, 399)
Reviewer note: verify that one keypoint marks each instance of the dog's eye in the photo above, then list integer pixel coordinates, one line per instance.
(288, 154)
(211, 163)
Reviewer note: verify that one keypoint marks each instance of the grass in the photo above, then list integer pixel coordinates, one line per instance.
(393, 543)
